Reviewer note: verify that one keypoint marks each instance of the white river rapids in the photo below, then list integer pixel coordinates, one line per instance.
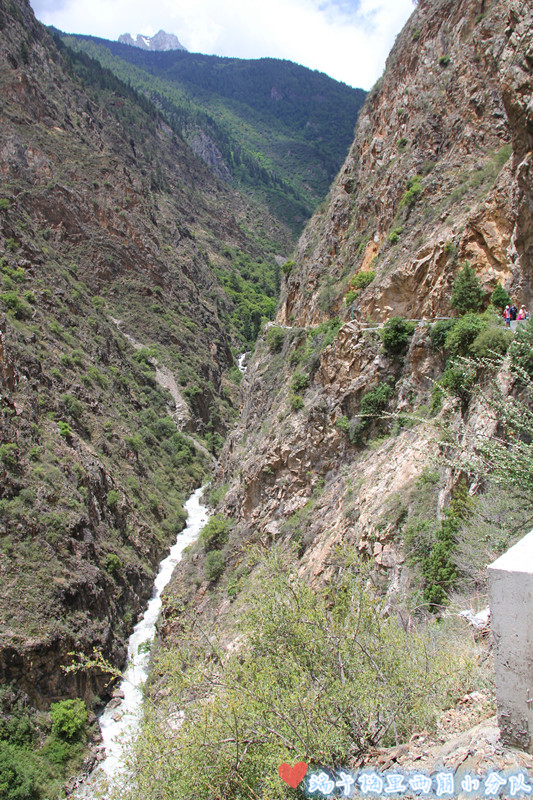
(119, 724)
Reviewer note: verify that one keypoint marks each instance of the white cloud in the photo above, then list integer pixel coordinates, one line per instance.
(347, 39)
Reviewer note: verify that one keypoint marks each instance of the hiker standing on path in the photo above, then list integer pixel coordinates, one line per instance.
(507, 315)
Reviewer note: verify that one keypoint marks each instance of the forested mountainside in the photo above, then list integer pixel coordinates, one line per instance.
(268, 126)
(382, 454)
(130, 276)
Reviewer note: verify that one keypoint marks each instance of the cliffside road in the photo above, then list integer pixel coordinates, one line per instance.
(366, 325)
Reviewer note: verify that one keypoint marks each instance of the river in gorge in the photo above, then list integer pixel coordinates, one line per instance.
(119, 723)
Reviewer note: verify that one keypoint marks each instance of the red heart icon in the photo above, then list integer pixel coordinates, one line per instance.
(292, 775)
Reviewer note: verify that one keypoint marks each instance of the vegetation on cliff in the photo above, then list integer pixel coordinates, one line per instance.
(128, 275)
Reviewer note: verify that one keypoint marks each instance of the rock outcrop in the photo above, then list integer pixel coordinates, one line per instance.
(162, 41)
(437, 174)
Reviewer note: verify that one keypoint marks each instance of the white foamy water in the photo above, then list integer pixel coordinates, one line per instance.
(240, 362)
(119, 724)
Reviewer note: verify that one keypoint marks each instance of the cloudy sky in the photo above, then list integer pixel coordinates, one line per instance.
(347, 39)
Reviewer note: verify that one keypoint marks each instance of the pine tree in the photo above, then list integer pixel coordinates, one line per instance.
(500, 298)
(467, 292)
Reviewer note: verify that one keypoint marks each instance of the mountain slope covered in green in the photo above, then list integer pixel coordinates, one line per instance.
(268, 126)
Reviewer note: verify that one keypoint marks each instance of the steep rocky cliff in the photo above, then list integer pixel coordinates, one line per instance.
(435, 175)
(438, 175)
(112, 232)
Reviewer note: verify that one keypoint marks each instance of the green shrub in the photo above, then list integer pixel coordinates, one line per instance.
(17, 306)
(58, 751)
(299, 381)
(215, 533)
(112, 563)
(343, 424)
(216, 495)
(363, 278)
(455, 380)
(411, 194)
(461, 336)
(8, 454)
(500, 298)
(438, 568)
(113, 498)
(394, 235)
(438, 332)
(74, 406)
(444, 61)
(467, 291)
(35, 452)
(69, 718)
(18, 780)
(55, 328)
(492, 341)
(16, 728)
(77, 358)
(288, 267)
(4, 204)
(350, 296)
(97, 376)
(296, 402)
(18, 274)
(450, 249)
(275, 337)
(375, 401)
(66, 361)
(401, 144)
(64, 429)
(134, 442)
(145, 356)
(395, 334)
(214, 565)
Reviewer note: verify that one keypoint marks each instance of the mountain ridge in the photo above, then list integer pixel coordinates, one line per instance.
(161, 41)
(266, 125)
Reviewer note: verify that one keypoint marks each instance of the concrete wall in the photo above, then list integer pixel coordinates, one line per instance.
(511, 608)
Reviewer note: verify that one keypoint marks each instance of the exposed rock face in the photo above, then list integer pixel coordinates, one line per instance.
(161, 41)
(449, 118)
(322, 457)
(296, 475)
(207, 150)
(439, 173)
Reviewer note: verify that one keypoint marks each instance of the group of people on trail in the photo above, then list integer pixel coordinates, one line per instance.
(512, 313)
